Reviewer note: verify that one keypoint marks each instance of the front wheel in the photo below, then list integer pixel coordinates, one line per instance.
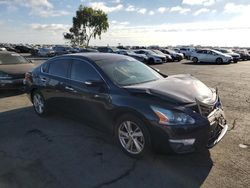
(132, 136)
(195, 60)
(219, 61)
(39, 103)
(151, 61)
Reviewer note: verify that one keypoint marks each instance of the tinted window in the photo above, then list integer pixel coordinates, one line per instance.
(59, 67)
(45, 67)
(82, 71)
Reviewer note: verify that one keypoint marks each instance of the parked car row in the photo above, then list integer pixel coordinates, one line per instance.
(151, 56)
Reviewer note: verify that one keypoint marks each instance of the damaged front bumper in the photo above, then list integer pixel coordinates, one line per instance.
(218, 127)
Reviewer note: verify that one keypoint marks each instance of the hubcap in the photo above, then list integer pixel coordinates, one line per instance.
(131, 137)
(38, 103)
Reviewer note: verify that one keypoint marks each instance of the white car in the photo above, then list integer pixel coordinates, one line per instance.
(153, 57)
(211, 56)
(236, 56)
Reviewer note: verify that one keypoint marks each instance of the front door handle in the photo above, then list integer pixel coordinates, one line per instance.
(69, 88)
(43, 79)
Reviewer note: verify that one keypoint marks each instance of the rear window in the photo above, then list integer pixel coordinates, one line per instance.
(12, 58)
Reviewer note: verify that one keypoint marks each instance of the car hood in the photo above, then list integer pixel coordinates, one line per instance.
(138, 55)
(17, 68)
(159, 56)
(181, 89)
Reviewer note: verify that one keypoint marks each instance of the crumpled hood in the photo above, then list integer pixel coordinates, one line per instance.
(17, 68)
(179, 88)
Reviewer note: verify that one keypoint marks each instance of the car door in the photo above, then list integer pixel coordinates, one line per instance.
(91, 95)
(202, 55)
(55, 82)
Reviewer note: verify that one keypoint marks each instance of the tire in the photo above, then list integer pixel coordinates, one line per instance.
(195, 60)
(235, 61)
(151, 61)
(219, 60)
(39, 104)
(132, 136)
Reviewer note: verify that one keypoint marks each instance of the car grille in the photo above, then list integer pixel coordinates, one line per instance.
(205, 110)
(216, 125)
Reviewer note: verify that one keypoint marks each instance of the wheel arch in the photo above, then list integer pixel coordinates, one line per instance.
(128, 111)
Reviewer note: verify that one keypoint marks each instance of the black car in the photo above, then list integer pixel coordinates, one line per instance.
(175, 55)
(12, 70)
(139, 106)
(23, 49)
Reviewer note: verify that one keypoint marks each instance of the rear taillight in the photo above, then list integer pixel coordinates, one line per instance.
(28, 77)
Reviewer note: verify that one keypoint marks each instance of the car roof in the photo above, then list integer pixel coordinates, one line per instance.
(97, 56)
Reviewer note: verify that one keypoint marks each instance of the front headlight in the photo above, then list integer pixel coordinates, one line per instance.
(169, 117)
(4, 75)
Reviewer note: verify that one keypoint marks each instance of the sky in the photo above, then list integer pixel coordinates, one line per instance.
(132, 22)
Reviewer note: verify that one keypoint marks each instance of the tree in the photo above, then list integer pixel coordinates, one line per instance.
(88, 23)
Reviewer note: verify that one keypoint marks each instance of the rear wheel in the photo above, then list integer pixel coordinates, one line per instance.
(219, 61)
(39, 103)
(195, 60)
(132, 136)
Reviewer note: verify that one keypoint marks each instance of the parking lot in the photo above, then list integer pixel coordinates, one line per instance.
(60, 151)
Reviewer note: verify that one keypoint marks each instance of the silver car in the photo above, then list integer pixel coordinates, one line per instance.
(46, 52)
(211, 56)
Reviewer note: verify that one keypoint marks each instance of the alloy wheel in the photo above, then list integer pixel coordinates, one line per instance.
(131, 137)
(38, 103)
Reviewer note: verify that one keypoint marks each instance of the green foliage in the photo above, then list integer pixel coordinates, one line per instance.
(88, 23)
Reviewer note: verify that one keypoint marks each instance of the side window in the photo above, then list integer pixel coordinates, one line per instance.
(82, 71)
(59, 67)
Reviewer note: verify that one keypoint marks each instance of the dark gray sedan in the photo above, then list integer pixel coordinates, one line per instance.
(12, 70)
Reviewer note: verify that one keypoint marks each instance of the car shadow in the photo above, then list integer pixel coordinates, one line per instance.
(58, 150)
(202, 63)
(10, 93)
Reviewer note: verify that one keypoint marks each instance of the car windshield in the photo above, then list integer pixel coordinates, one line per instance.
(225, 51)
(128, 72)
(130, 52)
(12, 58)
(159, 52)
(170, 51)
(151, 52)
(217, 52)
